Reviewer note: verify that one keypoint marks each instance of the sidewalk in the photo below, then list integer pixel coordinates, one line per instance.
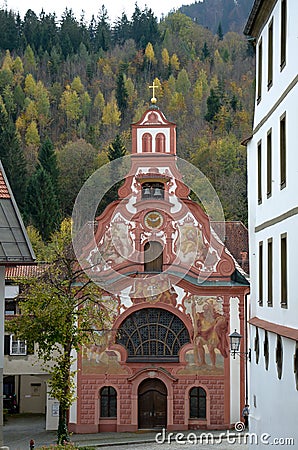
(19, 429)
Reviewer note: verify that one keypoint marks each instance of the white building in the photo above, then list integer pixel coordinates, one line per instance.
(25, 379)
(273, 221)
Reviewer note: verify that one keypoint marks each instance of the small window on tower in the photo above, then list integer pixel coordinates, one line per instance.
(160, 143)
(146, 143)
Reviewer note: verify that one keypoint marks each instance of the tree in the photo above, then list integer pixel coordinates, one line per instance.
(121, 93)
(42, 208)
(76, 162)
(48, 160)
(213, 105)
(12, 156)
(61, 310)
(116, 149)
(219, 32)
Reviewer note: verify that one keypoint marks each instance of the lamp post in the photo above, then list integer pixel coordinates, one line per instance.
(235, 340)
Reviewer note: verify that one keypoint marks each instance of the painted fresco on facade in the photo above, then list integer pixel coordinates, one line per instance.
(210, 342)
(97, 357)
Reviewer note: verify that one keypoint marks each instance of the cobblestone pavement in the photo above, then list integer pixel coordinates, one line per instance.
(19, 429)
(175, 446)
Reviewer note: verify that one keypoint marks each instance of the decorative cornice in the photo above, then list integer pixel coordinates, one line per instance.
(290, 333)
(258, 17)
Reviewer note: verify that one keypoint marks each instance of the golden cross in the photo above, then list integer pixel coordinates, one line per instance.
(153, 87)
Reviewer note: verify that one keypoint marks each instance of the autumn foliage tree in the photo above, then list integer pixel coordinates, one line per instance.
(61, 310)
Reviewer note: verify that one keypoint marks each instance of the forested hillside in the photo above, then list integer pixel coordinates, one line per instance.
(70, 89)
(224, 15)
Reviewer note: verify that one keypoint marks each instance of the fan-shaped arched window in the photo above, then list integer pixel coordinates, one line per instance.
(146, 143)
(152, 334)
(160, 143)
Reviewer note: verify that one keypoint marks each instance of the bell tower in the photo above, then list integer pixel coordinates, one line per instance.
(153, 133)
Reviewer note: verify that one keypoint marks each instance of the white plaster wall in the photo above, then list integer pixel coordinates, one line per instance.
(281, 79)
(273, 402)
(234, 364)
(73, 408)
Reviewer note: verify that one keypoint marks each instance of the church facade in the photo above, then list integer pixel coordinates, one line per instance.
(175, 295)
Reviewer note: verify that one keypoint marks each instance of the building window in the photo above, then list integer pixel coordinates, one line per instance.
(296, 365)
(284, 270)
(266, 350)
(197, 403)
(17, 346)
(261, 273)
(270, 54)
(283, 34)
(147, 143)
(152, 335)
(269, 273)
(160, 143)
(257, 346)
(283, 155)
(279, 356)
(269, 164)
(10, 307)
(153, 257)
(108, 402)
(260, 58)
(259, 172)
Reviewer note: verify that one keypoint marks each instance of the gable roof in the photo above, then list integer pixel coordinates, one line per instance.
(15, 247)
(236, 241)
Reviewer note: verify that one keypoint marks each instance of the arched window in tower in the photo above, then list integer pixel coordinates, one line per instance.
(160, 143)
(153, 257)
(146, 143)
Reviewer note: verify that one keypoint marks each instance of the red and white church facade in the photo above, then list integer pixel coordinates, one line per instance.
(176, 295)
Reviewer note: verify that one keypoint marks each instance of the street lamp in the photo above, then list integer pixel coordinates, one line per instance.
(235, 339)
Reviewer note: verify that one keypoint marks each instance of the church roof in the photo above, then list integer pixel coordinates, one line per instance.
(236, 241)
(15, 247)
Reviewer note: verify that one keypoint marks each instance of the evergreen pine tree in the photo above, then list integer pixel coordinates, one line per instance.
(12, 157)
(116, 148)
(42, 210)
(219, 32)
(48, 159)
(213, 105)
(121, 93)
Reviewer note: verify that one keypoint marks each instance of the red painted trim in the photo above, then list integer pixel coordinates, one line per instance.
(287, 332)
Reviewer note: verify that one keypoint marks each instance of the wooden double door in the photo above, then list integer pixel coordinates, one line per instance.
(152, 404)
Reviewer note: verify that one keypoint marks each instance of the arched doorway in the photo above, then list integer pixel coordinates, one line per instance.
(152, 404)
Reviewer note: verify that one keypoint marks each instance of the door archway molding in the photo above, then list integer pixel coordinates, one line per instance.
(145, 374)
